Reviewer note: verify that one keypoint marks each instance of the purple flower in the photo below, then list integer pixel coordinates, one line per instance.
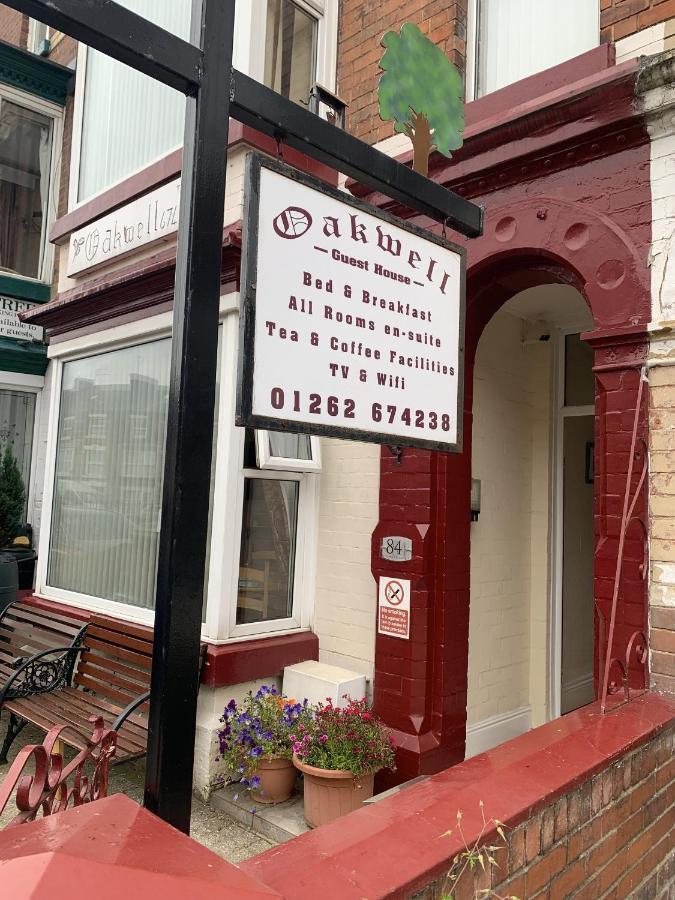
(255, 781)
(256, 751)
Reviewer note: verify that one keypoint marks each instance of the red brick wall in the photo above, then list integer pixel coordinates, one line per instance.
(13, 26)
(611, 837)
(64, 49)
(619, 18)
(363, 23)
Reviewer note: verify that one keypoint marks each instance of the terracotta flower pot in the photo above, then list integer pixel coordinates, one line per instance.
(277, 780)
(330, 793)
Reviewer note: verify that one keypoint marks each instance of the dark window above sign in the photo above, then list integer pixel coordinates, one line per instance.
(25, 182)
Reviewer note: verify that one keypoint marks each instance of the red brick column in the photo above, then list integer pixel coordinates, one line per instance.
(421, 683)
(618, 363)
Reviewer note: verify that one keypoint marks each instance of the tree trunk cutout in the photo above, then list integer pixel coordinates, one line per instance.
(420, 134)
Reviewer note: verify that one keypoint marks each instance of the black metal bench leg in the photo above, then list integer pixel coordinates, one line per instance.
(15, 726)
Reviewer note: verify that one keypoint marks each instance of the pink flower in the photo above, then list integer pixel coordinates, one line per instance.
(323, 738)
(293, 738)
(297, 746)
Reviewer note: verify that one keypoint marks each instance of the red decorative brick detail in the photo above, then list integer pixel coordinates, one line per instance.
(245, 661)
(399, 848)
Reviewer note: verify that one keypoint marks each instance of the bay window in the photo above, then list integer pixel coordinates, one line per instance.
(511, 39)
(127, 121)
(102, 547)
(108, 475)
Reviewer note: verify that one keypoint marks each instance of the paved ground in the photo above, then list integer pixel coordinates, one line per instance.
(210, 827)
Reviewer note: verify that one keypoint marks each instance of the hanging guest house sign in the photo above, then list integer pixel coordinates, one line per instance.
(353, 321)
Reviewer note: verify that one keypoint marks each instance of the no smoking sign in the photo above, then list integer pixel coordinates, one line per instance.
(393, 608)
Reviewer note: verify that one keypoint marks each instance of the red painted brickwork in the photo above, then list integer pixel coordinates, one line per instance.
(619, 18)
(13, 27)
(609, 838)
(541, 189)
(588, 801)
(362, 26)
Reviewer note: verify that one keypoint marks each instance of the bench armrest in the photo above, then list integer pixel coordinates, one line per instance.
(132, 707)
(39, 675)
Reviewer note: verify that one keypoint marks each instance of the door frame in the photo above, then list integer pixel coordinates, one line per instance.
(560, 413)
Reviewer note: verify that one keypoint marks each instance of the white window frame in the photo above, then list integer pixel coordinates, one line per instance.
(248, 57)
(37, 33)
(285, 463)
(54, 112)
(472, 50)
(560, 413)
(471, 70)
(29, 384)
(219, 626)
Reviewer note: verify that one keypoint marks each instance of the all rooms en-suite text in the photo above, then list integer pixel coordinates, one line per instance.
(411, 342)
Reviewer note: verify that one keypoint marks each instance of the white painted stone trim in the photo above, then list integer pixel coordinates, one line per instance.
(485, 735)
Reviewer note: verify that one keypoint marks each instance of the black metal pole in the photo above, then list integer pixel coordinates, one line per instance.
(187, 468)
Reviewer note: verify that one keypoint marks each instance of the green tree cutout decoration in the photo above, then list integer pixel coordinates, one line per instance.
(422, 92)
(12, 497)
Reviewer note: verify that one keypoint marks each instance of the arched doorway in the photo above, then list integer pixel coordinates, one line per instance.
(531, 607)
(421, 685)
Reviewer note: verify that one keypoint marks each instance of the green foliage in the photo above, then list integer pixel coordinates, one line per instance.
(473, 856)
(12, 497)
(419, 77)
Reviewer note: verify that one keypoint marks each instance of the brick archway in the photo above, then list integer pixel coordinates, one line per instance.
(421, 684)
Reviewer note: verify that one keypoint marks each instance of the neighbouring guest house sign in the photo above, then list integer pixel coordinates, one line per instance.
(352, 321)
(11, 325)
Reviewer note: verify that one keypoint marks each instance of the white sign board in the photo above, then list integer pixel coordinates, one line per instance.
(150, 218)
(11, 325)
(353, 321)
(393, 607)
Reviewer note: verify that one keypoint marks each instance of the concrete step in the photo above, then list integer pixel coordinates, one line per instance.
(277, 823)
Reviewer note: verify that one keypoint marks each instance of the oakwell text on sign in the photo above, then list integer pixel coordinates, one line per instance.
(353, 321)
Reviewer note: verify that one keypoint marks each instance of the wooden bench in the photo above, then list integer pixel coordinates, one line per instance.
(112, 680)
(27, 630)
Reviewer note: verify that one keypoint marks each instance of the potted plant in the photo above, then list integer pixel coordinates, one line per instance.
(12, 499)
(339, 751)
(255, 742)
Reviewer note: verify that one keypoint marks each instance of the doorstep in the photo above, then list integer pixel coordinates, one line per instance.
(278, 823)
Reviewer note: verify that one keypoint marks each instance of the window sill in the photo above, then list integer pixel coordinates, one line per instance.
(231, 663)
(234, 663)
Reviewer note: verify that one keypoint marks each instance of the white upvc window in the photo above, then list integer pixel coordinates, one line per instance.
(124, 121)
(38, 33)
(510, 39)
(30, 141)
(103, 486)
